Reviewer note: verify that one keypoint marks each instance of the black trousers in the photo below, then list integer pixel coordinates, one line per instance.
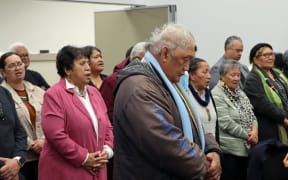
(110, 169)
(234, 167)
(30, 170)
(21, 177)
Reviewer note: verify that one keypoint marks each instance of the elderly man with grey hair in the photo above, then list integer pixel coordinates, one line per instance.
(157, 135)
(138, 50)
(233, 50)
(33, 77)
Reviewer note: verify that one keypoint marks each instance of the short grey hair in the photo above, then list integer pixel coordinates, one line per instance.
(138, 48)
(227, 66)
(16, 45)
(174, 36)
(229, 41)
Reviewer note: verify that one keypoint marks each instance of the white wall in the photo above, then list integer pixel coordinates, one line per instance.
(213, 21)
(43, 24)
(51, 24)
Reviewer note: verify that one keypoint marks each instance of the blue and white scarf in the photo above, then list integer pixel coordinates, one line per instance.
(185, 118)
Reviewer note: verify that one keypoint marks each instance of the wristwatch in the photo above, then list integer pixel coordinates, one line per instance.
(19, 160)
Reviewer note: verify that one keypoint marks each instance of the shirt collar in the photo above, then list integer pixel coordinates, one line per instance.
(75, 89)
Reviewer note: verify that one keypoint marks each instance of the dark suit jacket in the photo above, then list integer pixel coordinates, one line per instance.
(267, 113)
(266, 161)
(36, 79)
(13, 139)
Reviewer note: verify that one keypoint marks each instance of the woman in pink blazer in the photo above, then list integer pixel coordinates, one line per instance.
(79, 138)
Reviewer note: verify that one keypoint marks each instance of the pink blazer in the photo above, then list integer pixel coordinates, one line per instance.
(70, 134)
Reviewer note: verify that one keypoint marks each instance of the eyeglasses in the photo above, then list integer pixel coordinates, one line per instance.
(23, 55)
(13, 66)
(267, 55)
(237, 50)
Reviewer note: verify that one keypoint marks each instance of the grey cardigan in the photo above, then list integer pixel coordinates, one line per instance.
(232, 136)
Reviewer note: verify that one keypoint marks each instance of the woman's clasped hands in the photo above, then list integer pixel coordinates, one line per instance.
(96, 161)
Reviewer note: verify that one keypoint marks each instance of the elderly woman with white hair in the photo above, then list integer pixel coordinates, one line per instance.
(238, 130)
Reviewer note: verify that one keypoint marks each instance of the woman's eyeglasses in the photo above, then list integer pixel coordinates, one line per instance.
(267, 55)
(13, 66)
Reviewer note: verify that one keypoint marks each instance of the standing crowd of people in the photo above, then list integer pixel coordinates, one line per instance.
(162, 114)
